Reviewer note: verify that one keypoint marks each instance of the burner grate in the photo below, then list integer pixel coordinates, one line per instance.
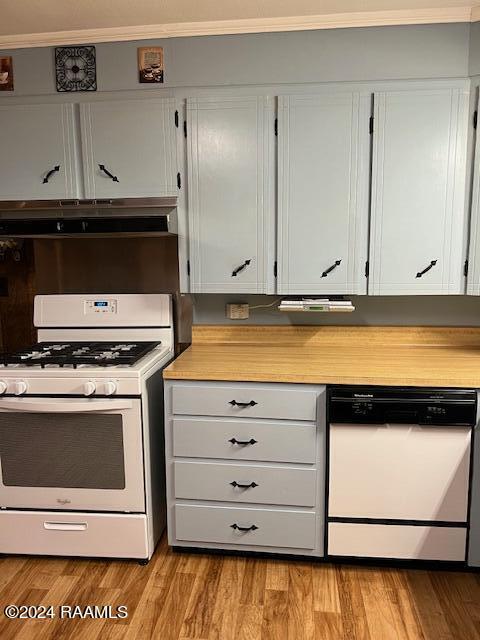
(103, 354)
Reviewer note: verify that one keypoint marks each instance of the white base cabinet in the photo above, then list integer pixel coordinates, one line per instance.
(246, 466)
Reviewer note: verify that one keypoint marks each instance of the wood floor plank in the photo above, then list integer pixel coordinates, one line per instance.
(275, 615)
(301, 622)
(325, 589)
(190, 596)
(224, 618)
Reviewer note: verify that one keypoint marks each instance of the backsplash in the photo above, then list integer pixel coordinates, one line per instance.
(370, 310)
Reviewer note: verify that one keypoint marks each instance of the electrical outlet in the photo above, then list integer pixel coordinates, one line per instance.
(238, 311)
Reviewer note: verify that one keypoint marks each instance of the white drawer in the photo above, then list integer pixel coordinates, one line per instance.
(273, 527)
(231, 439)
(266, 485)
(402, 542)
(73, 534)
(245, 400)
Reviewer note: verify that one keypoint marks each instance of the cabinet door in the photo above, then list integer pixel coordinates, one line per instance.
(231, 199)
(418, 192)
(37, 152)
(473, 283)
(323, 183)
(134, 142)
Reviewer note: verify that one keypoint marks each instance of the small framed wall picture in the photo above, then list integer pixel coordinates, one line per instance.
(150, 65)
(6, 73)
(76, 68)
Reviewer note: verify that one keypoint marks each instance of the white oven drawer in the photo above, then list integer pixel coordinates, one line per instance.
(401, 542)
(252, 483)
(242, 400)
(399, 471)
(232, 439)
(73, 534)
(262, 527)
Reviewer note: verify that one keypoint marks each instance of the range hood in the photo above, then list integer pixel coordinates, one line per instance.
(126, 217)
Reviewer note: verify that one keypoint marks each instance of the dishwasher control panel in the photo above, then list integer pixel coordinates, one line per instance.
(404, 405)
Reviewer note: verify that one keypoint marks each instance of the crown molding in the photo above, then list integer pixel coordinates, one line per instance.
(253, 25)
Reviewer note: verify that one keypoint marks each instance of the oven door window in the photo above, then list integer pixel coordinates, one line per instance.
(78, 450)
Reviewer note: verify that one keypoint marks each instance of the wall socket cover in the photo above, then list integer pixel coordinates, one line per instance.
(238, 311)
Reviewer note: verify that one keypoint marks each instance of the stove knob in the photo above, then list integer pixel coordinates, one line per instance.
(89, 388)
(20, 387)
(110, 388)
(3, 387)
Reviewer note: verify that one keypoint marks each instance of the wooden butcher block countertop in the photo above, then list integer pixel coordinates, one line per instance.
(403, 356)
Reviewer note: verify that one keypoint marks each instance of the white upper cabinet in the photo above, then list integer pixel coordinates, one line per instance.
(37, 152)
(419, 192)
(129, 148)
(473, 284)
(231, 194)
(323, 186)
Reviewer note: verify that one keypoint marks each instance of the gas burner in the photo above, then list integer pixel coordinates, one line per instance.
(101, 354)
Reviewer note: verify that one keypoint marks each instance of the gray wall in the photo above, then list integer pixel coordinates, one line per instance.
(370, 310)
(419, 51)
(474, 64)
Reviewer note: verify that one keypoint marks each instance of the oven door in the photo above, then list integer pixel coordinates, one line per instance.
(71, 453)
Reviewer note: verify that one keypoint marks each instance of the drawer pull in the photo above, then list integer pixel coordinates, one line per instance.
(234, 403)
(243, 266)
(107, 173)
(424, 271)
(243, 442)
(331, 268)
(50, 173)
(241, 485)
(65, 526)
(236, 526)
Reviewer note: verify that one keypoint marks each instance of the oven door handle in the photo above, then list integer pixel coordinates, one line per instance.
(56, 406)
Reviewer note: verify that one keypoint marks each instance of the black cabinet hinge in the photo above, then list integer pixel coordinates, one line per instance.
(370, 125)
(367, 269)
(475, 119)
(188, 267)
(275, 269)
(176, 119)
(185, 128)
(465, 268)
(179, 181)
(276, 126)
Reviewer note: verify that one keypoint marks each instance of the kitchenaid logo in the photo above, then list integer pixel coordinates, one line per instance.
(363, 395)
(63, 501)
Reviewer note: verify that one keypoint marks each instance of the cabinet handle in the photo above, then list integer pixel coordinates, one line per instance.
(430, 266)
(50, 173)
(243, 442)
(234, 403)
(240, 268)
(107, 172)
(331, 268)
(241, 485)
(252, 527)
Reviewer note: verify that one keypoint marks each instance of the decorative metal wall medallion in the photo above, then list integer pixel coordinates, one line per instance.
(75, 68)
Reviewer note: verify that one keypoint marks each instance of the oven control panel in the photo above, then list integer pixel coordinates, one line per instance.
(74, 386)
(101, 305)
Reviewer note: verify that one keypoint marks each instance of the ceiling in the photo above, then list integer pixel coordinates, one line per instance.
(26, 23)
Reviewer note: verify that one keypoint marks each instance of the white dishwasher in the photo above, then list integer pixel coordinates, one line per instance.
(399, 469)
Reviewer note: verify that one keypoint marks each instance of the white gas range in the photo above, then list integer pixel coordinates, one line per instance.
(81, 428)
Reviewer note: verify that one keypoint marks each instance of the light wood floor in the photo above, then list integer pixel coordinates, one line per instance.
(213, 597)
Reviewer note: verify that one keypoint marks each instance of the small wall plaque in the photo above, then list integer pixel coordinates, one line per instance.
(150, 65)
(6, 73)
(76, 68)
